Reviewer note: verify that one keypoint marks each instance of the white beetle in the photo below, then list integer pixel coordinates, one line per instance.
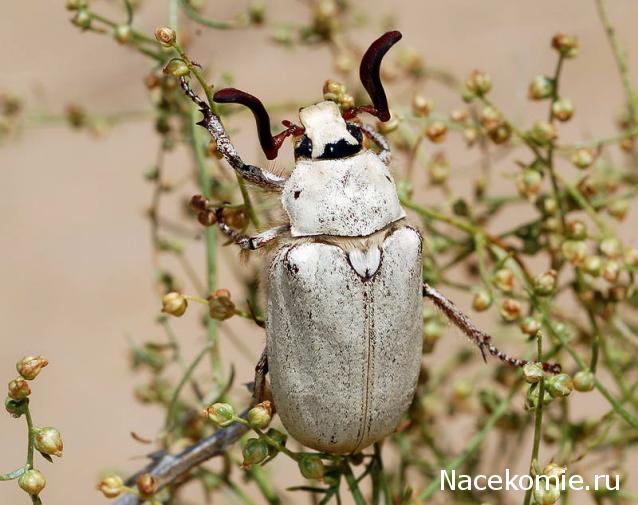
(344, 317)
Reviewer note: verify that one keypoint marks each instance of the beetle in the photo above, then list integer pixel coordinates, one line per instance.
(344, 273)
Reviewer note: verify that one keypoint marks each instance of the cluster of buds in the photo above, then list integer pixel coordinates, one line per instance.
(205, 212)
(338, 93)
(48, 440)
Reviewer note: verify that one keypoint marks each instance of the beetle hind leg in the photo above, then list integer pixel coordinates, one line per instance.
(482, 340)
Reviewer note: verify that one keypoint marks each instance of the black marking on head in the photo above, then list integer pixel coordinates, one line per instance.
(303, 149)
(340, 149)
(296, 194)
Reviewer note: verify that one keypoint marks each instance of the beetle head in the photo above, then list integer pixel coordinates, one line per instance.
(326, 133)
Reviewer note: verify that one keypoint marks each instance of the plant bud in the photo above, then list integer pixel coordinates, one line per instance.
(528, 183)
(421, 106)
(254, 452)
(174, 303)
(554, 470)
(222, 414)
(19, 389)
(277, 436)
(199, 203)
(260, 415)
(584, 381)
(582, 158)
(432, 332)
(73, 5)
(30, 367)
(479, 83)
(220, 306)
(530, 326)
(111, 487)
(545, 283)
(32, 481)
(459, 115)
(566, 45)
(560, 385)
(574, 251)
(533, 396)
(311, 466)
(206, 218)
(593, 265)
(165, 35)
(176, 68)
(438, 169)
(436, 132)
(146, 484)
(510, 309)
(470, 135)
(540, 88)
(82, 19)
(482, 300)
(533, 372)
(543, 133)
(611, 271)
(14, 407)
(618, 209)
(490, 118)
(122, 33)
(611, 247)
(48, 441)
(576, 230)
(563, 109)
(546, 495)
(504, 280)
(631, 256)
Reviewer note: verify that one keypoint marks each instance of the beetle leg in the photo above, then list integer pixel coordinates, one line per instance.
(246, 242)
(262, 388)
(255, 175)
(479, 337)
(385, 154)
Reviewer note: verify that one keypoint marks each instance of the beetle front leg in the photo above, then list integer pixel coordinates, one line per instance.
(255, 175)
(385, 155)
(479, 337)
(246, 242)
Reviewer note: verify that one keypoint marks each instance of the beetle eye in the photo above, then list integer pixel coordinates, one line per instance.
(303, 149)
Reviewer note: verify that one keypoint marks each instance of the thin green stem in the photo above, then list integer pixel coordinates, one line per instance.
(352, 484)
(13, 475)
(621, 59)
(172, 406)
(27, 415)
(538, 419)
(211, 239)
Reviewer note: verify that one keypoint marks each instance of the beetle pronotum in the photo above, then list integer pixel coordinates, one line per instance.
(344, 282)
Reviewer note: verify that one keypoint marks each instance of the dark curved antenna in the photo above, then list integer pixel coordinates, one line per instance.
(232, 95)
(269, 143)
(369, 73)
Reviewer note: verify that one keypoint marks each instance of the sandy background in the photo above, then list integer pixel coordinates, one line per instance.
(75, 275)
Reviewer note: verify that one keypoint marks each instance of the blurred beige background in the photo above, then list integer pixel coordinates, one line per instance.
(75, 275)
